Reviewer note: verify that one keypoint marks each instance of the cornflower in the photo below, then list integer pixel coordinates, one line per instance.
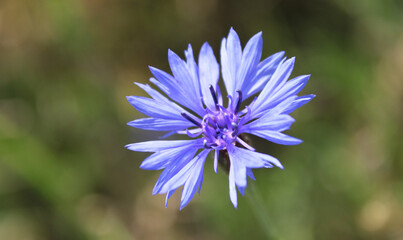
(194, 107)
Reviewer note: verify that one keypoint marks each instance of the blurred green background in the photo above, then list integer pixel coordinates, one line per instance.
(67, 65)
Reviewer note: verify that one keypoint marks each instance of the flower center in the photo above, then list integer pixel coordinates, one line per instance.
(220, 127)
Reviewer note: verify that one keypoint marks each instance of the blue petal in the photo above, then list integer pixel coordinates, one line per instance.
(200, 183)
(162, 101)
(168, 134)
(270, 64)
(271, 112)
(292, 87)
(189, 85)
(250, 58)
(176, 91)
(161, 86)
(167, 83)
(241, 162)
(241, 190)
(278, 123)
(219, 95)
(232, 188)
(156, 95)
(159, 107)
(237, 175)
(157, 161)
(251, 159)
(180, 177)
(163, 184)
(169, 194)
(193, 69)
(276, 82)
(231, 56)
(158, 124)
(216, 156)
(179, 69)
(238, 166)
(299, 102)
(226, 72)
(276, 137)
(250, 174)
(263, 73)
(161, 159)
(194, 180)
(208, 72)
(159, 145)
(153, 108)
(195, 133)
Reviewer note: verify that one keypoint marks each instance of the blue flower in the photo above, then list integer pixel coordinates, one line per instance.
(194, 107)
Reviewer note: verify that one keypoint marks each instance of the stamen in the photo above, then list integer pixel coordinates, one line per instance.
(205, 143)
(217, 131)
(211, 122)
(238, 104)
(245, 118)
(228, 120)
(208, 146)
(213, 93)
(209, 130)
(213, 145)
(190, 119)
(235, 127)
(222, 108)
(230, 100)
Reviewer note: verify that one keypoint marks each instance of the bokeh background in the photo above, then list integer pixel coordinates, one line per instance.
(67, 65)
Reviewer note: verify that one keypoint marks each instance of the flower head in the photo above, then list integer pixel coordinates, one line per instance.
(195, 107)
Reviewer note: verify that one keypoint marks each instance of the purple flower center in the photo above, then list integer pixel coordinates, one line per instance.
(220, 126)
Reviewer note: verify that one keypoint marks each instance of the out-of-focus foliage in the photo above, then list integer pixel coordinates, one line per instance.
(67, 65)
